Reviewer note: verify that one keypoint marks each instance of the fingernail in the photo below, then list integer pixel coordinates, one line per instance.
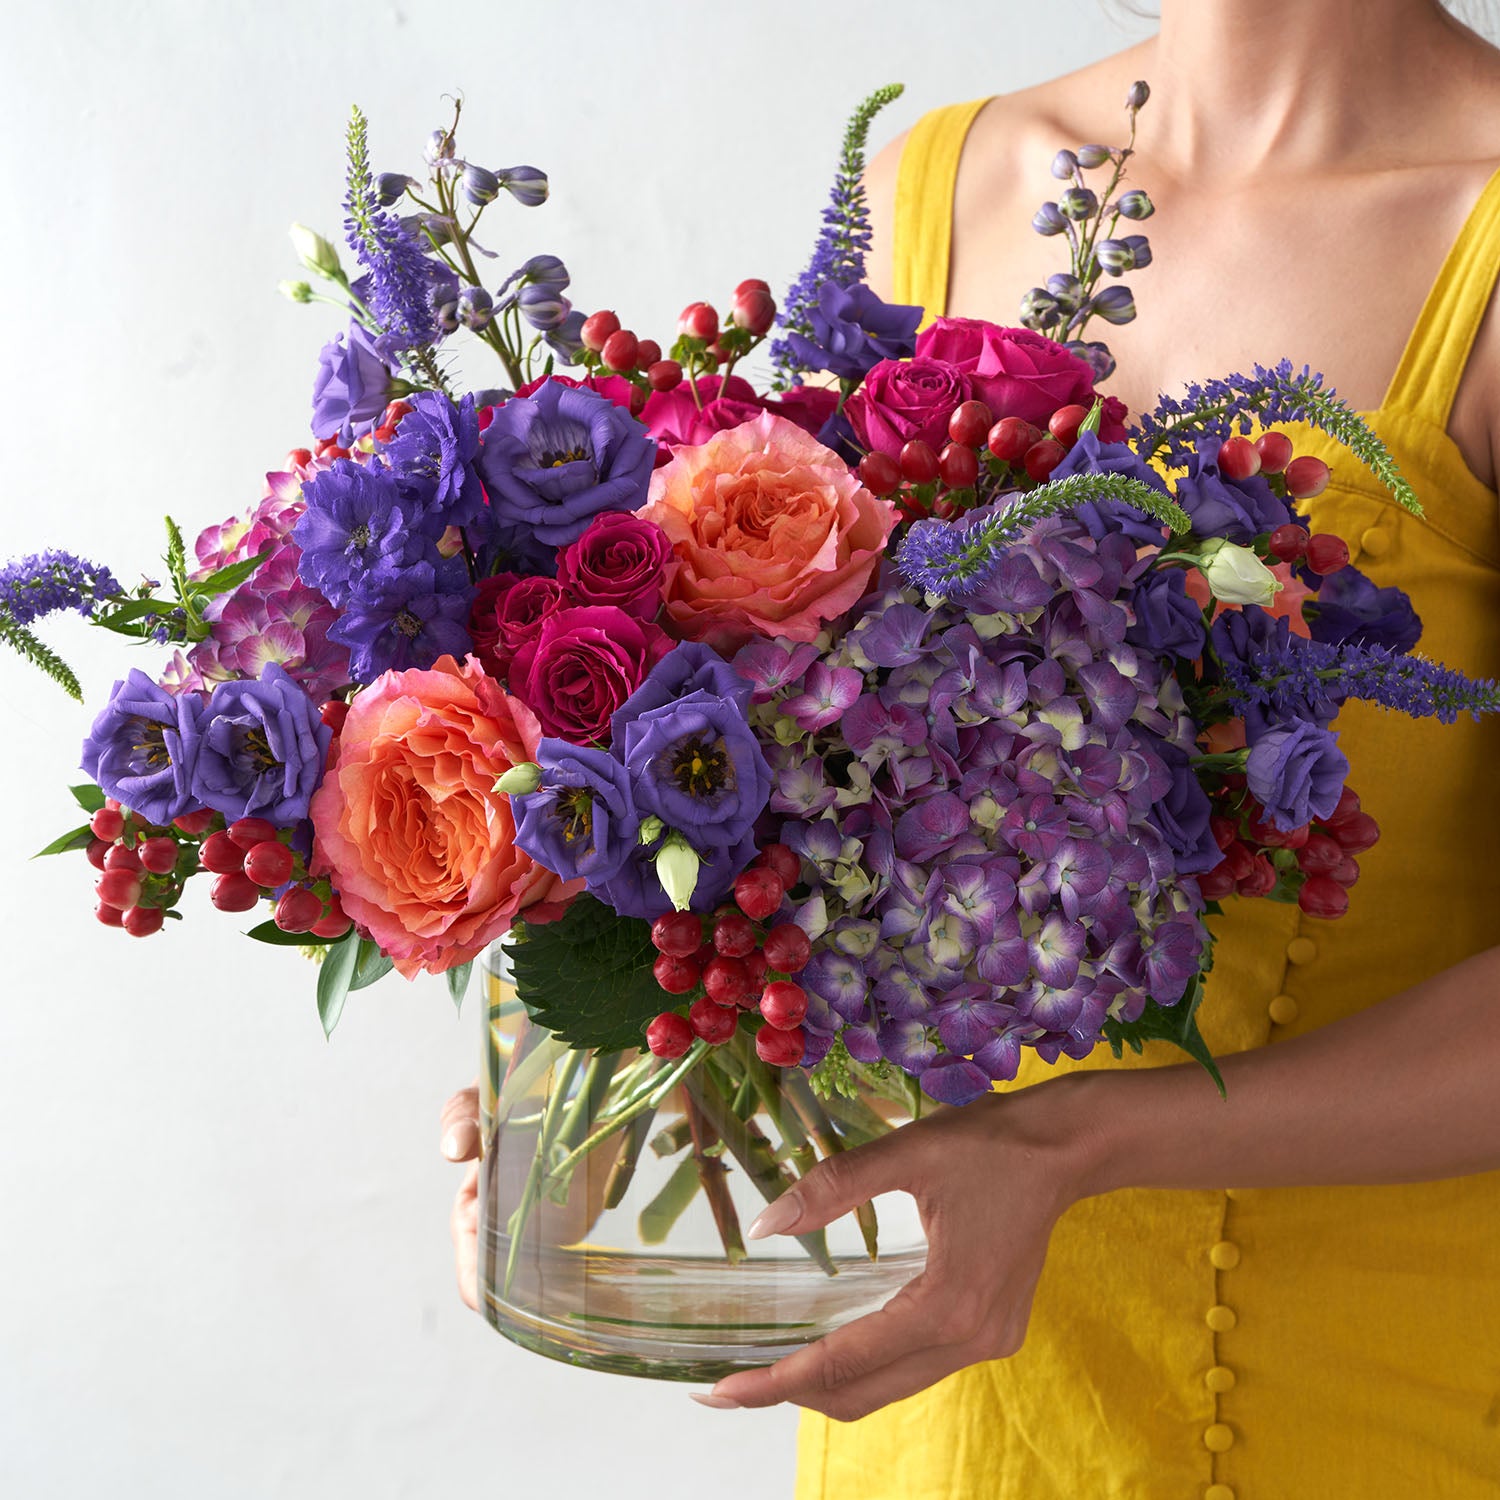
(719, 1403)
(777, 1217)
(453, 1147)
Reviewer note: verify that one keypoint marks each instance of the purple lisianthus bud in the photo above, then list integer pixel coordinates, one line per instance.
(407, 618)
(352, 386)
(551, 461)
(580, 821)
(1349, 609)
(1064, 165)
(354, 523)
(1135, 205)
(1116, 256)
(1239, 510)
(1048, 220)
(143, 748)
(1296, 774)
(1115, 304)
(262, 749)
(1167, 621)
(475, 308)
(479, 184)
(390, 187)
(527, 185)
(543, 306)
(853, 330)
(1078, 203)
(1093, 156)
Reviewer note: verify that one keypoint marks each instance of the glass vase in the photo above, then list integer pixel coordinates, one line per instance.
(615, 1190)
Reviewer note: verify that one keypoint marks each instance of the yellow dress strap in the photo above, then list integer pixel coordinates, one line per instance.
(923, 231)
(1427, 378)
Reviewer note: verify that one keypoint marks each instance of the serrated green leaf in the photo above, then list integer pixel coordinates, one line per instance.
(372, 965)
(88, 796)
(269, 932)
(587, 976)
(79, 838)
(223, 579)
(1176, 1024)
(334, 979)
(458, 982)
(136, 609)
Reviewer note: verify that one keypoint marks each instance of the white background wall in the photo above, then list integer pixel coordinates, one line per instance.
(224, 1261)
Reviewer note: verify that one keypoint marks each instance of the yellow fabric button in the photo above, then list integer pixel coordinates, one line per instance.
(1219, 1379)
(1284, 1010)
(1301, 950)
(1218, 1492)
(1224, 1256)
(1220, 1318)
(1218, 1438)
(1376, 541)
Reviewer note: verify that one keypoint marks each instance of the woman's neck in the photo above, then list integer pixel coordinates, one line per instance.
(1304, 83)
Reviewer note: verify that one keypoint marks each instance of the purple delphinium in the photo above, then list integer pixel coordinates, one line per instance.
(47, 582)
(352, 386)
(262, 749)
(398, 620)
(143, 748)
(356, 523)
(551, 461)
(580, 821)
(851, 330)
(432, 456)
(1296, 774)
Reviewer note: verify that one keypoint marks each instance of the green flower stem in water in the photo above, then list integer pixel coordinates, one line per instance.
(825, 1133)
(622, 1174)
(711, 1173)
(552, 1117)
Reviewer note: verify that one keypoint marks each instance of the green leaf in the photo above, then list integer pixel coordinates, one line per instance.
(134, 609)
(224, 579)
(372, 965)
(587, 976)
(269, 932)
(458, 982)
(88, 796)
(334, 979)
(1177, 1024)
(79, 838)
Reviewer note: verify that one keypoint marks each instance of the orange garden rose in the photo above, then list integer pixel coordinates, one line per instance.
(771, 534)
(419, 845)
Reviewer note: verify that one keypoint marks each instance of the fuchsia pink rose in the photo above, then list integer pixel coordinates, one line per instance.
(905, 400)
(507, 613)
(620, 560)
(674, 417)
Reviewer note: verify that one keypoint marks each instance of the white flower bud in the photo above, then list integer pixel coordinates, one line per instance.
(677, 865)
(1236, 575)
(316, 253)
(520, 780)
(295, 291)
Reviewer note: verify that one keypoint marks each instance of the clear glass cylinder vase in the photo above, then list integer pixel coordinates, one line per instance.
(615, 1190)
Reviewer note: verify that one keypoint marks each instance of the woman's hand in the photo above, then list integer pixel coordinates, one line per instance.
(461, 1143)
(989, 1180)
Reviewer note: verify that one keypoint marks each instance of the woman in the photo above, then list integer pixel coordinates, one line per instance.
(1135, 1289)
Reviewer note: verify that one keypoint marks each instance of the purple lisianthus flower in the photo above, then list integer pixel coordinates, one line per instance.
(407, 618)
(853, 330)
(1182, 816)
(689, 667)
(551, 461)
(1103, 518)
(433, 454)
(1167, 621)
(355, 524)
(144, 746)
(262, 749)
(1296, 774)
(1349, 608)
(1236, 509)
(352, 386)
(580, 822)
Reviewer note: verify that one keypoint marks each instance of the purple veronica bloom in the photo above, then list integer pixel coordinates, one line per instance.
(143, 748)
(853, 330)
(407, 618)
(355, 524)
(433, 455)
(1112, 517)
(689, 667)
(352, 387)
(1250, 644)
(1239, 510)
(262, 751)
(1167, 621)
(580, 822)
(46, 582)
(551, 461)
(1296, 774)
(1350, 608)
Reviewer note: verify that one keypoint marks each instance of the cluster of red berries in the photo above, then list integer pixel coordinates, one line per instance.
(249, 858)
(330, 448)
(139, 876)
(1271, 454)
(735, 967)
(1316, 861)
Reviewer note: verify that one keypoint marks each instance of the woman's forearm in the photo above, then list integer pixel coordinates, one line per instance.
(1407, 1090)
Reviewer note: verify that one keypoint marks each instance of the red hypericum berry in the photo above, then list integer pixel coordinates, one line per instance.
(669, 1035)
(220, 855)
(880, 474)
(1288, 543)
(783, 1004)
(1275, 449)
(752, 284)
(296, 457)
(1040, 459)
(333, 451)
(1261, 881)
(107, 824)
(269, 864)
(142, 921)
(96, 851)
(333, 713)
(970, 424)
(958, 466)
(677, 933)
(1224, 830)
(664, 375)
(383, 434)
(677, 974)
(334, 922)
(648, 351)
(784, 861)
(919, 461)
(1327, 553)
(756, 967)
(1323, 896)
(1239, 458)
(1306, 477)
(704, 953)
(1320, 855)
(1348, 803)
(1355, 832)
(1263, 831)
(712, 1023)
(1217, 883)
(787, 948)
(734, 935)
(248, 832)
(726, 980)
(721, 351)
(946, 508)
(122, 857)
(758, 892)
(194, 823)
(1065, 422)
(754, 310)
(620, 350)
(1240, 859)
(699, 320)
(780, 1049)
(111, 916)
(1347, 872)
(1010, 437)
(395, 410)
(596, 330)
(159, 855)
(121, 888)
(298, 909)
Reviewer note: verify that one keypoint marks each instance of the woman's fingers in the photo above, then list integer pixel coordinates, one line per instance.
(461, 1125)
(464, 1224)
(838, 1185)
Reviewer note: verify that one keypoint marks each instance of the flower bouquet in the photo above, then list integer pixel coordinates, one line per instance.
(794, 758)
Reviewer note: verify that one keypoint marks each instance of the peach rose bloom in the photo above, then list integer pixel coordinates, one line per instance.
(771, 534)
(419, 845)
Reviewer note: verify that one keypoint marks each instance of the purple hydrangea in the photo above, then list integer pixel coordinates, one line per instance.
(580, 821)
(143, 749)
